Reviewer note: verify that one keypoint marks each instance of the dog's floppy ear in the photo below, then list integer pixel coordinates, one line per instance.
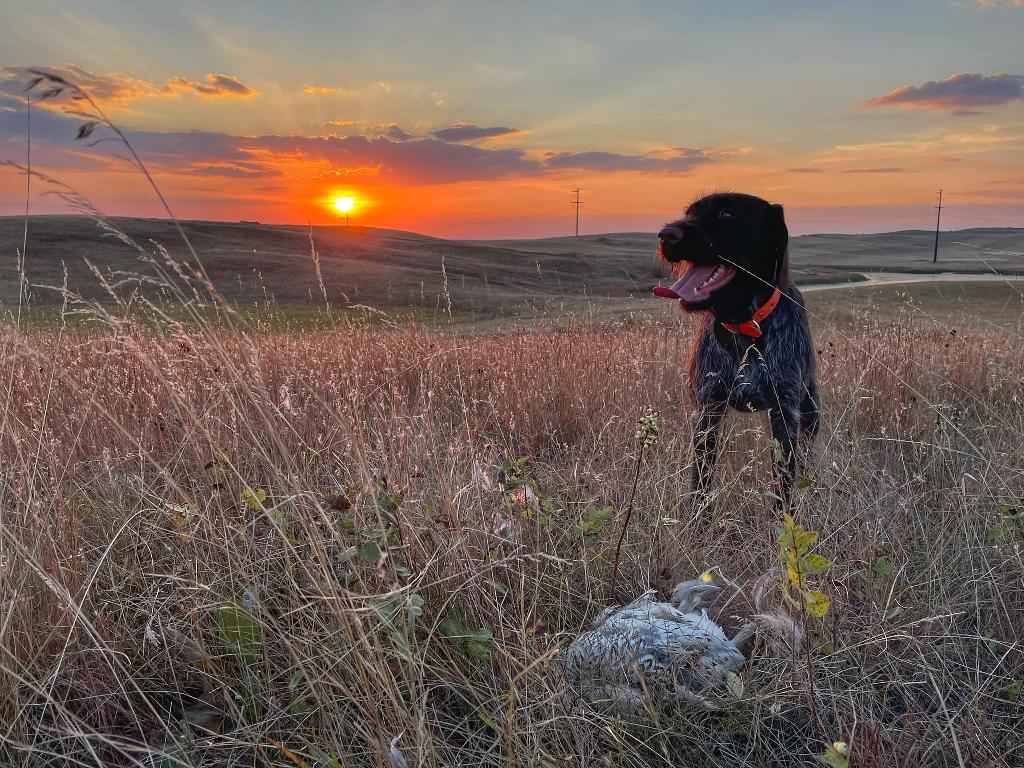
(780, 242)
(780, 233)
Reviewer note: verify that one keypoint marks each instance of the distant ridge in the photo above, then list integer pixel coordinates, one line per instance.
(251, 262)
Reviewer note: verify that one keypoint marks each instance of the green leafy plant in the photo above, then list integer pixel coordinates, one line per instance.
(512, 472)
(877, 583)
(549, 510)
(240, 633)
(254, 498)
(882, 567)
(800, 564)
(518, 492)
(734, 685)
(391, 608)
(388, 503)
(1009, 525)
(593, 522)
(370, 551)
(374, 545)
(837, 755)
(474, 643)
(802, 483)
(400, 613)
(1014, 690)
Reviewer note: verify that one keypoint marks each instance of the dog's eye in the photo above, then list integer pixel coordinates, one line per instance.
(724, 214)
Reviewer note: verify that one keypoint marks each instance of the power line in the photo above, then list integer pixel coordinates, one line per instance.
(578, 205)
(938, 218)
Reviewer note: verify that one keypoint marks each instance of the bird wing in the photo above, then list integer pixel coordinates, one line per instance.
(654, 646)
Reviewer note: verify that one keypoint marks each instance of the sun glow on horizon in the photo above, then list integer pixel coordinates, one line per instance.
(344, 204)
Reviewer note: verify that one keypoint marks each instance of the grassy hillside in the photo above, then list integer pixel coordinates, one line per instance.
(964, 250)
(271, 550)
(224, 546)
(251, 263)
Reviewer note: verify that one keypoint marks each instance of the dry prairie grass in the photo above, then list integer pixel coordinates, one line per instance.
(231, 549)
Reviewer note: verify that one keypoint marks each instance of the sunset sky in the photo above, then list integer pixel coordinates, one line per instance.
(477, 119)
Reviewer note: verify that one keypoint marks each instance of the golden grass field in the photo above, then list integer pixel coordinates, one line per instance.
(238, 543)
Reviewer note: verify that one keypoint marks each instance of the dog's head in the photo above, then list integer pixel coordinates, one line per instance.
(729, 250)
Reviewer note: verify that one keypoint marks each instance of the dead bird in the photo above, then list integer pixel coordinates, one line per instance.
(658, 652)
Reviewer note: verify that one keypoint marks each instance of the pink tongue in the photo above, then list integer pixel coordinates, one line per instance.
(696, 283)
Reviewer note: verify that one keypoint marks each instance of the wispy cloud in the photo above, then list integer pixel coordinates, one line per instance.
(211, 153)
(387, 153)
(997, 194)
(391, 131)
(472, 132)
(664, 162)
(806, 170)
(938, 141)
(118, 90)
(216, 85)
(962, 92)
(323, 90)
(876, 170)
(999, 3)
(113, 89)
(397, 134)
(238, 171)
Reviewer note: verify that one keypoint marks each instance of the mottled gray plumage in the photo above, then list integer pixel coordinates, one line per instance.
(653, 652)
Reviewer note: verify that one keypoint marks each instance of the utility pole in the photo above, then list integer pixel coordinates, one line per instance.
(577, 203)
(938, 218)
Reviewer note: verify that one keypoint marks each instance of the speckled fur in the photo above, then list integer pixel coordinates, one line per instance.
(774, 372)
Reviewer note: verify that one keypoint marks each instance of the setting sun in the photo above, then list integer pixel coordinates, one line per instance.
(344, 204)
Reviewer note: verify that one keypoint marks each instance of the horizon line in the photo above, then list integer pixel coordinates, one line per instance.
(254, 222)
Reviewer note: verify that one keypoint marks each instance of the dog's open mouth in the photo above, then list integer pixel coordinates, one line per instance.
(697, 283)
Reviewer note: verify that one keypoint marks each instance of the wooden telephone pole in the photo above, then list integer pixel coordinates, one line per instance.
(938, 218)
(577, 203)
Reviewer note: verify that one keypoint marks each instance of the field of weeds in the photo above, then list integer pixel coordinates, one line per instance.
(286, 548)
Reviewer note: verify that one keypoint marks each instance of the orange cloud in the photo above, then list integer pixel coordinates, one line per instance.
(478, 183)
(118, 90)
(216, 86)
(886, 169)
(113, 89)
(322, 89)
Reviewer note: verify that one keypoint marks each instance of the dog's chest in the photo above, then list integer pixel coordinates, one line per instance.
(751, 388)
(735, 373)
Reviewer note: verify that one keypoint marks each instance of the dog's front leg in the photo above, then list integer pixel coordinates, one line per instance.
(706, 428)
(785, 423)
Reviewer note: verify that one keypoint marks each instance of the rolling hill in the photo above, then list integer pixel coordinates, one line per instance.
(251, 263)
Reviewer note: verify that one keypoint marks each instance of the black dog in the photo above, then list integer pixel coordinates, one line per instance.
(754, 351)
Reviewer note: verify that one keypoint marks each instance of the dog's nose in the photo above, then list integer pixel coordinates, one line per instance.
(670, 235)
